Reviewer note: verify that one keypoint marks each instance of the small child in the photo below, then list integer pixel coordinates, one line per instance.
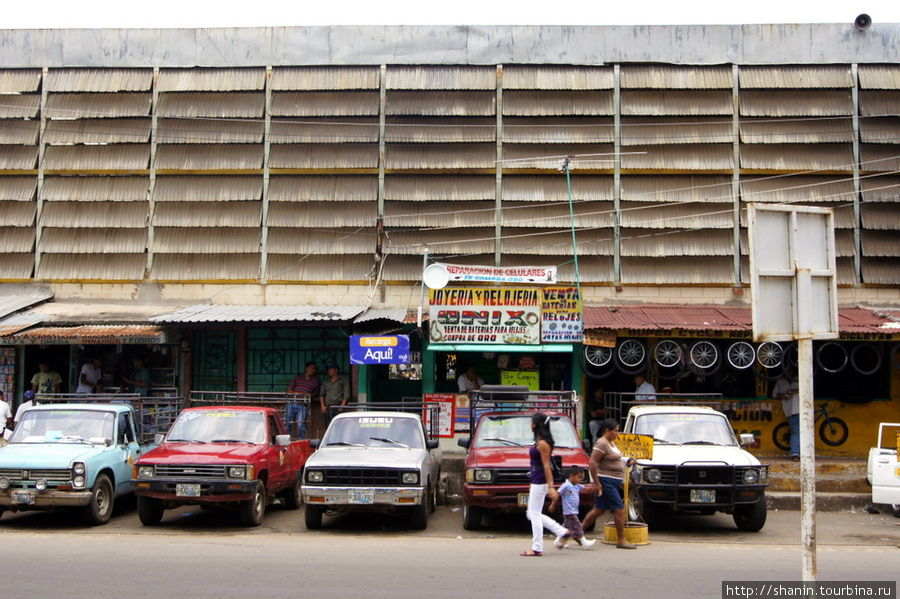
(569, 492)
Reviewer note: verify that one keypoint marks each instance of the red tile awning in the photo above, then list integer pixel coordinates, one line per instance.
(658, 318)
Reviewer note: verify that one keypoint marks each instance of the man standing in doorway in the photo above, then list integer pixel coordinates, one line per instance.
(140, 380)
(91, 378)
(787, 389)
(335, 391)
(46, 380)
(303, 384)
(644, 391)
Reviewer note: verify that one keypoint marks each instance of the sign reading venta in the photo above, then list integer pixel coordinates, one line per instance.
(561, 315)
(542, 275)
(504, 316)
(383, 349)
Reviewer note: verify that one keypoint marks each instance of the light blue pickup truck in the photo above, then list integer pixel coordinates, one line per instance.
(70, 455)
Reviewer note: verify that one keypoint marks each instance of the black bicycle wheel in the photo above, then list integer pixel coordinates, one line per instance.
(782, 436)
(832, 357)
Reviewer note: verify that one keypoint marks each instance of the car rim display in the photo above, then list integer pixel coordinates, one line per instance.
(631, 353)
(597, 355)
(667, 353)
(769, 354)
(741, 355)
(704, 355)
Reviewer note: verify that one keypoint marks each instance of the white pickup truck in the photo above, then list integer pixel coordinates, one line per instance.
(373, 461)
(883, 469)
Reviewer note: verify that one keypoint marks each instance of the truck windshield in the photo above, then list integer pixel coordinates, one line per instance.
(375, 431)
(512, 431)
(218, 426)
(65, 426)
(686, 429)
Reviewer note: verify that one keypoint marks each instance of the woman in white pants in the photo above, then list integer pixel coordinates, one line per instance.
(541, 486)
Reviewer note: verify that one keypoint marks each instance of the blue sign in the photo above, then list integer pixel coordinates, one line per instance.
(380, 349)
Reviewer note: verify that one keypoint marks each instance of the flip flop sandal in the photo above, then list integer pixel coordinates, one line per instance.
(531, 553)
(628, 546)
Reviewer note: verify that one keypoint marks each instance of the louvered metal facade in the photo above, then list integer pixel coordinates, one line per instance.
(348, 171)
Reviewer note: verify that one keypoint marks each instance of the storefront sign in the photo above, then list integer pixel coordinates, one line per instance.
(561, 320)
(499, 274)
(600, 338)
(639, 447)
(383, 349)
(446, 402)
(493, 316)
(526, 378)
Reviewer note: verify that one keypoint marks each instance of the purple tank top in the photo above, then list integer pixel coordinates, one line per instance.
(538, 476)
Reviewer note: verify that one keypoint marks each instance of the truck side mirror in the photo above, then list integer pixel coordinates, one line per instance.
(464, 442)
(314, 443)
(747, 439)
(282, 440)
(158, 438)
(432, 444)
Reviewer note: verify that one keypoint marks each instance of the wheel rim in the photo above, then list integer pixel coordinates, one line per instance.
(832, 357)
(631, 353)
(102, 500)
(741, 355)
(597, 355)
(704, 354)
(769, 354)
(667, 353)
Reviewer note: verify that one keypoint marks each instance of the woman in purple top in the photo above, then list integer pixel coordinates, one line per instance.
(541, 474)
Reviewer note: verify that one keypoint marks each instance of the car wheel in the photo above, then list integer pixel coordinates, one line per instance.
(150, 510)
(472, 517)
(99, 510)
(293, 499)
(641, 510)
(253, 510)
(896, 510)
(752, 517)
(313, 517)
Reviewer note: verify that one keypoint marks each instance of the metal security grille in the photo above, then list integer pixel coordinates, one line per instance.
(172, 471)
(706, 475)
(362, 477)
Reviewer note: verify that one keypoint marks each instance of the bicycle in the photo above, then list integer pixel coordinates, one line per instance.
(833, 431)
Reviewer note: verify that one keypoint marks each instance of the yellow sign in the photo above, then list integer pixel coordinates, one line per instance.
(526, 378)
(636, 446)
(600, 338)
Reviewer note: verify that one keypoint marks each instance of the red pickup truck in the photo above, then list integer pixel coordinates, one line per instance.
(236, 456)
(497, 475)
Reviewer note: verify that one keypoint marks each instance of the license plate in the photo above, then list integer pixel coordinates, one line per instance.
(702, 496)
(366, 496)
(523, 499)
(22, 498)
(187, 490)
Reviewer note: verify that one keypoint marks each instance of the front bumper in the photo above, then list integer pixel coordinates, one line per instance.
(211, 491)
(363, 496)
(506, 497)
(681, 498)
(44, 499)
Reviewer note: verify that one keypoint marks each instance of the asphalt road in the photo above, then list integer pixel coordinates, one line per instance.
(206, 553)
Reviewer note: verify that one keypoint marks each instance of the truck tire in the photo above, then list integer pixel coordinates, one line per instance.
(641, 510)
(99, 510)
(752, 517)
(419, 518)
(293, 499)
(472, 517)
(252, 511)
(895, 508)
(150, 510)
(313, 517)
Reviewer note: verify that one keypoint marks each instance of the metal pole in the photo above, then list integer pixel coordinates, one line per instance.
(807, 458)
(422, 290)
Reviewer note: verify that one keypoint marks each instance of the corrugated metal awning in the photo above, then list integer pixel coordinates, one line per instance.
(203, 313)
(96, 334)
(18, 297)
(402, 315)
(17, 322)
(653, 318)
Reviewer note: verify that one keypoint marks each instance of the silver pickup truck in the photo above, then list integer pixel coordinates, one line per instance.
(373, 461)
(883, 468)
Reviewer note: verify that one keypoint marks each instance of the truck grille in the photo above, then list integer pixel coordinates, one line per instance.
(706, 475)
(513, 476)
(24, 479)
(190, 471)
(362, 477)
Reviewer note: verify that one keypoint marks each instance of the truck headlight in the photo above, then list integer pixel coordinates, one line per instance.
(237, 472)
(315, 476)
(4, 483)
(78, 468)
(484, 476)
(78, 482)
(751, 476)
(40, 484)
(410, 478)
(652, 475)
(145, 471)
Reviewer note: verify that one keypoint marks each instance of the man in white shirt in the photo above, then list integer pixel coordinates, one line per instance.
(644, 391)
(5, 418)
(29, 402)
(91, 378)
(469, 381)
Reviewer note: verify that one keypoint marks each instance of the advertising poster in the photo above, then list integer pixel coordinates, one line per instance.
(382, 349)
(501, 316)
(561, 320)
(447, 414)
